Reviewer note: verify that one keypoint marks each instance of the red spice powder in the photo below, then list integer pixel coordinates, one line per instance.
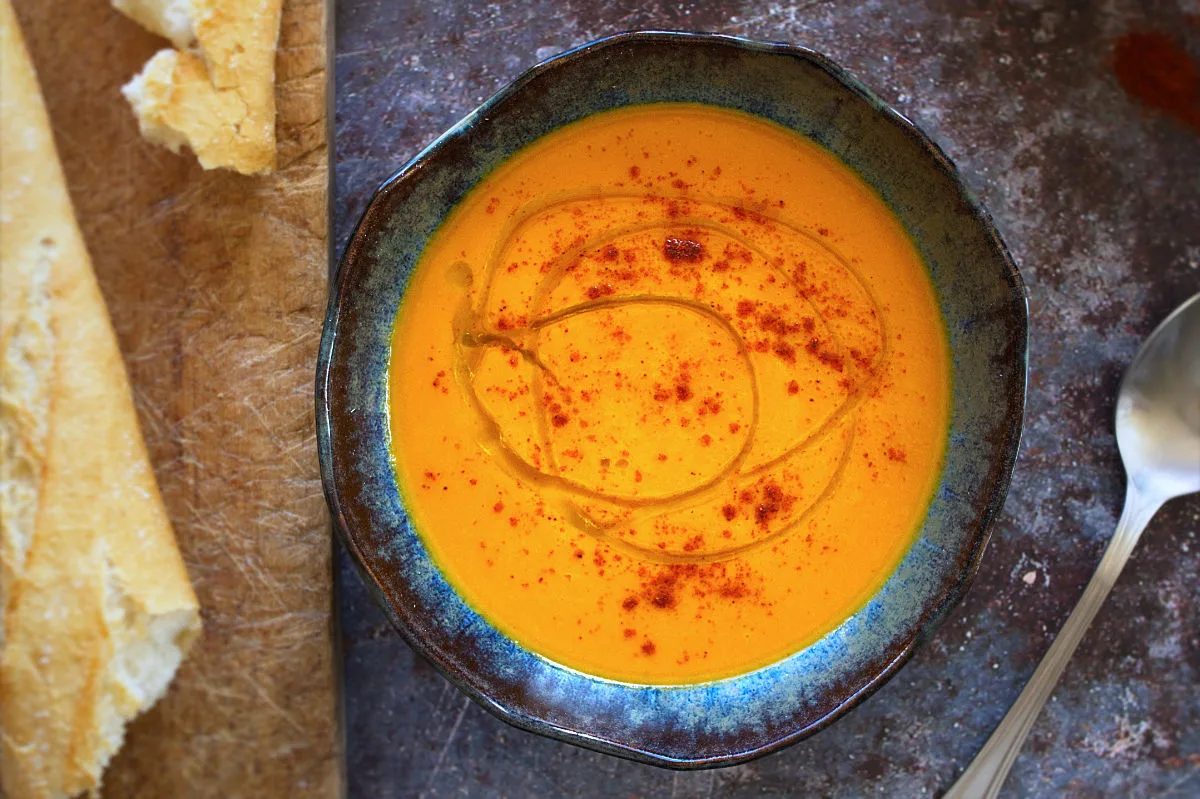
(772, 323)
(832, 360)
(786, 352)
(1154, 69)
(661, 591)
(765, 512)
(738, 252)
(665, 586)
(731, 590)
(676, 250)
(863, 361)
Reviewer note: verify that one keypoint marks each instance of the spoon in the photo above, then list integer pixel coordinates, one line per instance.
(1158, 434)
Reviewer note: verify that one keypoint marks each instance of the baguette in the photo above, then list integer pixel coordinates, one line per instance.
(96, 611)
(215, 92)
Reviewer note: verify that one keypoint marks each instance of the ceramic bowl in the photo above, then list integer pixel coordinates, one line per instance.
(981, 297)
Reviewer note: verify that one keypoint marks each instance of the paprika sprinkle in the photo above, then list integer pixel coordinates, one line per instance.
(681, 395)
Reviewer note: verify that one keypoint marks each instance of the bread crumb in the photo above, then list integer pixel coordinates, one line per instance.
(215, 92)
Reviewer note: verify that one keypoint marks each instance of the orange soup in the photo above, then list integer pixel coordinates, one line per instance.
(669, 394)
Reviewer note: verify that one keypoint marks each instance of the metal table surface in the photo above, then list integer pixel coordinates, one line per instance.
(1099, 200)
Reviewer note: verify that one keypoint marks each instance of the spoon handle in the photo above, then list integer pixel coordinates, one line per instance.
(985, 775)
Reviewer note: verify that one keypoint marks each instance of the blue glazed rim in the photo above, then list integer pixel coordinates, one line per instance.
(732, 720)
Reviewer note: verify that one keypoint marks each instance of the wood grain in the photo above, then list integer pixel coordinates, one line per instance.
(216, 286)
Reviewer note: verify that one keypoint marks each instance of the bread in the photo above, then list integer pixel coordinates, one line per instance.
(96, 610)
(215, 92)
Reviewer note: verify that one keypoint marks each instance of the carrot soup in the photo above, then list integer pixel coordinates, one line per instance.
(669, 394)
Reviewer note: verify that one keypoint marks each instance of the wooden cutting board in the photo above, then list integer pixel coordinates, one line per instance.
(216, 284)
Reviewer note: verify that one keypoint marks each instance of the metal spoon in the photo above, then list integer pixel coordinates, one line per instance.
(1158, 433)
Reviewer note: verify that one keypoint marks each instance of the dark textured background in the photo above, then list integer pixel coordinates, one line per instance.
(1099, 201)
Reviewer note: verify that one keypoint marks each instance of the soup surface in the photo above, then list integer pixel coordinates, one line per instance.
(669, 394)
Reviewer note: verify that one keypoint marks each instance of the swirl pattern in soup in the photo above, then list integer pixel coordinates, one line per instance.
(669, 394)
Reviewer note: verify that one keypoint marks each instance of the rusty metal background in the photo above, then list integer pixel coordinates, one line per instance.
(1099, 200)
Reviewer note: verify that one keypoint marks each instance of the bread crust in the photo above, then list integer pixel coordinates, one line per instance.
(216, 91)
(97, 609)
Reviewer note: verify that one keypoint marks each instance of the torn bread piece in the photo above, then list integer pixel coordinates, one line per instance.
(96, 611)
(215, 92)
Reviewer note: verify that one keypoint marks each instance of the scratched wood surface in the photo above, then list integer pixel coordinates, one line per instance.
(216, 285)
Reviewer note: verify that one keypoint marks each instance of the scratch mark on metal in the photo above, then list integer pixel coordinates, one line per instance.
(441, 758)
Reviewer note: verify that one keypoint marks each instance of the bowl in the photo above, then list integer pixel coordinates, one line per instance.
(982, 300)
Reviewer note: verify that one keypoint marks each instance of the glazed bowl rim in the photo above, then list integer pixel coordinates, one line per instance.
(930, 620)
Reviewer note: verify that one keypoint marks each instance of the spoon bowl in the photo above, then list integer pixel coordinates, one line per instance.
(1158, 408)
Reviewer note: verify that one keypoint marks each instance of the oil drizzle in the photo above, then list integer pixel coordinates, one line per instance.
(515, 314)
